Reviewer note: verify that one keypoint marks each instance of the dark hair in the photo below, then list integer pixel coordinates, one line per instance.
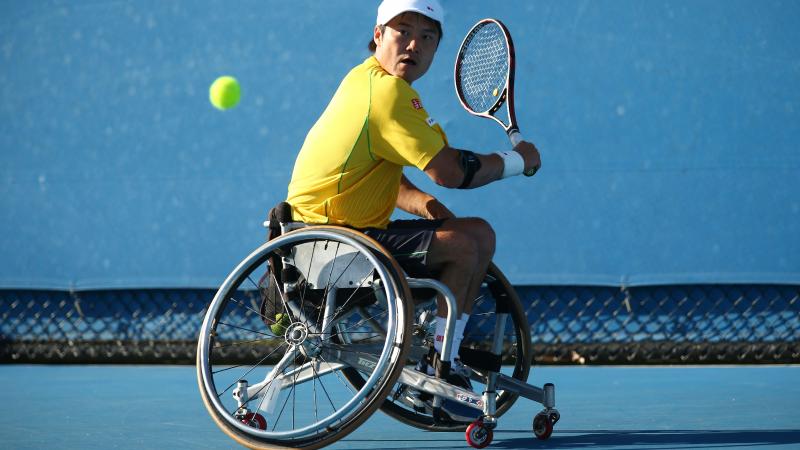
(372, 46)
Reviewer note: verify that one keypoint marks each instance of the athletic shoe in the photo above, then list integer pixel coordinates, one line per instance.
(451, 411)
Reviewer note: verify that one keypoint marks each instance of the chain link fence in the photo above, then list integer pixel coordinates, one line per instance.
(683, 324)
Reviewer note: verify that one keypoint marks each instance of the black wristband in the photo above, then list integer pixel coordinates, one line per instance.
(470, 165)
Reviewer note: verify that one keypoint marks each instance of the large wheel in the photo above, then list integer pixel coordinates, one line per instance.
(497, 299)
(336, 286)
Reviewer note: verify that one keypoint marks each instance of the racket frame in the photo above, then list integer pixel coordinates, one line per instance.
(507, 95)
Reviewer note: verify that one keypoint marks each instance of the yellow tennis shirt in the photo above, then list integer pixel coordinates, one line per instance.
(349, 168)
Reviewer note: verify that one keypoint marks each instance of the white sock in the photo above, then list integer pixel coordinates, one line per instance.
(461, 324)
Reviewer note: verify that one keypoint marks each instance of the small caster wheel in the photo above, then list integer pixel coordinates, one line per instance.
(542, 426)
(479, 435)
(255, 420)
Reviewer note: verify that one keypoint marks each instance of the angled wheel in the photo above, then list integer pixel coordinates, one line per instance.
(497, 309)
(255, 420)
(542, 426)
(479, 435)
(335, 287)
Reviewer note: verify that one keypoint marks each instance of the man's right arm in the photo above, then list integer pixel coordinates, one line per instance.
(446, 168)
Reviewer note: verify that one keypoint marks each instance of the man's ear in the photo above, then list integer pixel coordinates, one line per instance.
(377, 35)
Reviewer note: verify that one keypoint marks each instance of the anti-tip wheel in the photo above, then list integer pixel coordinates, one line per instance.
(542, 426)
(255, 420)
(479, 435)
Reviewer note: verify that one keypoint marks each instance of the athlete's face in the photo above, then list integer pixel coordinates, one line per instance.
(406, 46)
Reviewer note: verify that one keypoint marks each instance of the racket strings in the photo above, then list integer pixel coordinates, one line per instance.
(484, 67)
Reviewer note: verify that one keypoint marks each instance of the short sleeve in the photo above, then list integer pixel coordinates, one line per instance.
(400, 130)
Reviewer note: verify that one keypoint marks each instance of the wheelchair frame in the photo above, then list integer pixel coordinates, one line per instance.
(315, 342)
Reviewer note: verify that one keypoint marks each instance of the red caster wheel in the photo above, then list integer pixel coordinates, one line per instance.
(542, 426)
(255, 420)
(478, 435)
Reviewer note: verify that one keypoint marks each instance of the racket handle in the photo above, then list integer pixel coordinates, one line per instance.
(516, 138)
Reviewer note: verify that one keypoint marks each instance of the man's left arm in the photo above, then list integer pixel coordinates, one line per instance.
(448, 167)
(414, 201)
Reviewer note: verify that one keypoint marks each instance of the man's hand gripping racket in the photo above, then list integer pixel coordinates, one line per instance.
(484, 76)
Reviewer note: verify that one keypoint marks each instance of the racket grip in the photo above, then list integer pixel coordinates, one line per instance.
(516, 138)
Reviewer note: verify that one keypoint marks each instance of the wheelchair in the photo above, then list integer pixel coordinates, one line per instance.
(320, 327)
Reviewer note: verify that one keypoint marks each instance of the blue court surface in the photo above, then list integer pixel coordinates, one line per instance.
(148, 407)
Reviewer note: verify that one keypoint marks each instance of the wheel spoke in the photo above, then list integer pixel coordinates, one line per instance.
(321, 385)
(364, 320)
(308, 271)
(252, 368)
(294, 386)
(336, 372)
(360, 286)
(238, 343)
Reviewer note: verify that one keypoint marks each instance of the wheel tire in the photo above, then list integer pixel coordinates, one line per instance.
(478, 435)
(542, 426)
(369, 399)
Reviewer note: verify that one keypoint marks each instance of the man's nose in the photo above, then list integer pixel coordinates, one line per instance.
(413, 46)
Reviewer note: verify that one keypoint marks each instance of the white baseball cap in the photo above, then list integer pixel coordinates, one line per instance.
(389, 9)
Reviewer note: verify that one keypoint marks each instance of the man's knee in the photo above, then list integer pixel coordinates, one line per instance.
(472, 240)
(454, 246)
(484, 237)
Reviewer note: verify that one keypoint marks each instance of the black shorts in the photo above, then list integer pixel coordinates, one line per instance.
(408, 241)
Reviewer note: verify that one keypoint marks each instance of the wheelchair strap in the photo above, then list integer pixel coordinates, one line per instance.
(480, 359)
(281, 213)
(501, 298)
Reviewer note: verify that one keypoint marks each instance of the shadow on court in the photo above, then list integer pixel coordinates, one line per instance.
(596, 439)
(158, 406)
(639, 438)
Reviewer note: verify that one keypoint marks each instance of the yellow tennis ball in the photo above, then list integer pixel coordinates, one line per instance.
(495, 92)
(224, 92)
(282, 322)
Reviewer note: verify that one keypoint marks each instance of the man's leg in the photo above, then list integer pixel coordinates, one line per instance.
(461, 251)
(483, 234)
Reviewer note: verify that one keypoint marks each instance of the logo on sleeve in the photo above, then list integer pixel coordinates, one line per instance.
(431, 121)
(416, 103)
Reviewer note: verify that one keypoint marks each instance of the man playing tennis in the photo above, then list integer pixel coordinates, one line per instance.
(350, 169)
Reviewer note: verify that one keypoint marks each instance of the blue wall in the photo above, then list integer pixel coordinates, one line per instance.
(669, 133)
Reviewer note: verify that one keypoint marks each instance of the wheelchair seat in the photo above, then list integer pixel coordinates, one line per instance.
(348, 275)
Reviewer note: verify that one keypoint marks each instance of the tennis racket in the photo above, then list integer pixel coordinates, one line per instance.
(484, 76)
